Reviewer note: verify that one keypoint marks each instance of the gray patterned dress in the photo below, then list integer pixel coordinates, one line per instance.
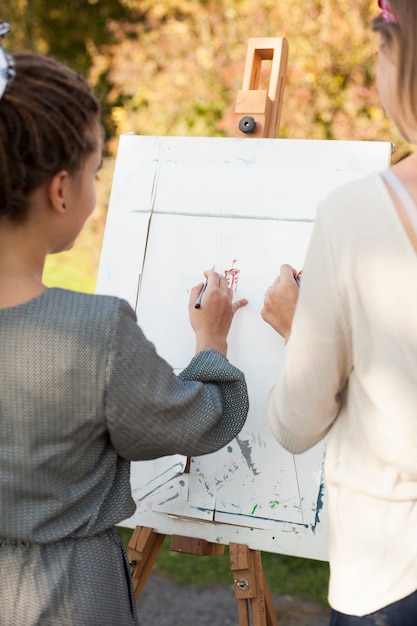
(83, 393)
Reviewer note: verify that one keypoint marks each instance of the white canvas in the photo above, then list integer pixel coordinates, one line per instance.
(179, 206)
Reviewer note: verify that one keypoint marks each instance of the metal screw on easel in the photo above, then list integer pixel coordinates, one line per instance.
(247, 124)
(242, 584)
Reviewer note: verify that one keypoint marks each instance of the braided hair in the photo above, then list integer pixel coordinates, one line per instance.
(48, 122)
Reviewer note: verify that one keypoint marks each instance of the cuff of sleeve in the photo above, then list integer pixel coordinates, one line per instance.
(210, 366)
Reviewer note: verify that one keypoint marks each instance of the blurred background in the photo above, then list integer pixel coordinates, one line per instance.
(174, 67)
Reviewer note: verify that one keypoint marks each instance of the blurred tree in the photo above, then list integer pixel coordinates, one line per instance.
(73, 33)
(174, 67)
(182, 71)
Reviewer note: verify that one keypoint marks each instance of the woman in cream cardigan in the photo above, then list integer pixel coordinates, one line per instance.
(351, 366)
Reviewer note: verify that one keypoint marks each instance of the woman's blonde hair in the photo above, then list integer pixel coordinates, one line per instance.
(402, 36)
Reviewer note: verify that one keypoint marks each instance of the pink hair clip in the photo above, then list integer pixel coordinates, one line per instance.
(387, 14)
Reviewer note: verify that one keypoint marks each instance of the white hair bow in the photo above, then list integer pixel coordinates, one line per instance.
(7, 71)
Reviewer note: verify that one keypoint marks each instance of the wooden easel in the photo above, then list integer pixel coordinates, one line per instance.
(257, 114)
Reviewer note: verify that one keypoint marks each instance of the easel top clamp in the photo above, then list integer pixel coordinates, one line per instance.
(257, 113)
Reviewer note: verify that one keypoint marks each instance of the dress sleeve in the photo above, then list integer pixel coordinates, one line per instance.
(307, 396)
(151, 412)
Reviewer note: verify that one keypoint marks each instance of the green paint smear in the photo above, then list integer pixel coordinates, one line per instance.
(254, 509)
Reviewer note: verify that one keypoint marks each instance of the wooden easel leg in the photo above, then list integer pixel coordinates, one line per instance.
(251, 589)
(271, 616)
(142, 550)
(243, 612)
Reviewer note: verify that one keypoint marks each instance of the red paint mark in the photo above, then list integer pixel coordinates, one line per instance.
(232, 276)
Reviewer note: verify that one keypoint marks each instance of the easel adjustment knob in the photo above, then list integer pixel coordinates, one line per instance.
(247, 124)
(242, 584)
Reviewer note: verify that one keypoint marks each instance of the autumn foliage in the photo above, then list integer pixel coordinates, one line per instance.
(174, 67)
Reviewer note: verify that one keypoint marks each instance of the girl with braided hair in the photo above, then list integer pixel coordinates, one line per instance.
(82, 392)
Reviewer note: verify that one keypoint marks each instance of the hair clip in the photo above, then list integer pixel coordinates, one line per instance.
(7, 71)
(387, 14)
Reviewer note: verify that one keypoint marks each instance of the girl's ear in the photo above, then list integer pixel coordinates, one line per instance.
(57, 190)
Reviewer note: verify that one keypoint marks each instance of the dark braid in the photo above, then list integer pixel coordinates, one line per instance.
(48, 122)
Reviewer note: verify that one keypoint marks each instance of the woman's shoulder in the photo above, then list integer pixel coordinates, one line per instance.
(360, 197)
(362, 187)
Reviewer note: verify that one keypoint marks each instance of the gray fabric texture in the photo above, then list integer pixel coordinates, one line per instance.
(83, 393)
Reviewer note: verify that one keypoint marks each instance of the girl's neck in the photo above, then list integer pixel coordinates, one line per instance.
(17, 287)
(21, 266)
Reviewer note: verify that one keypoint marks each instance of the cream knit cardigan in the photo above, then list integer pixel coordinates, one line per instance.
(351, 374)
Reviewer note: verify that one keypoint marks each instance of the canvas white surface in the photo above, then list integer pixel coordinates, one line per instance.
(181, 205)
